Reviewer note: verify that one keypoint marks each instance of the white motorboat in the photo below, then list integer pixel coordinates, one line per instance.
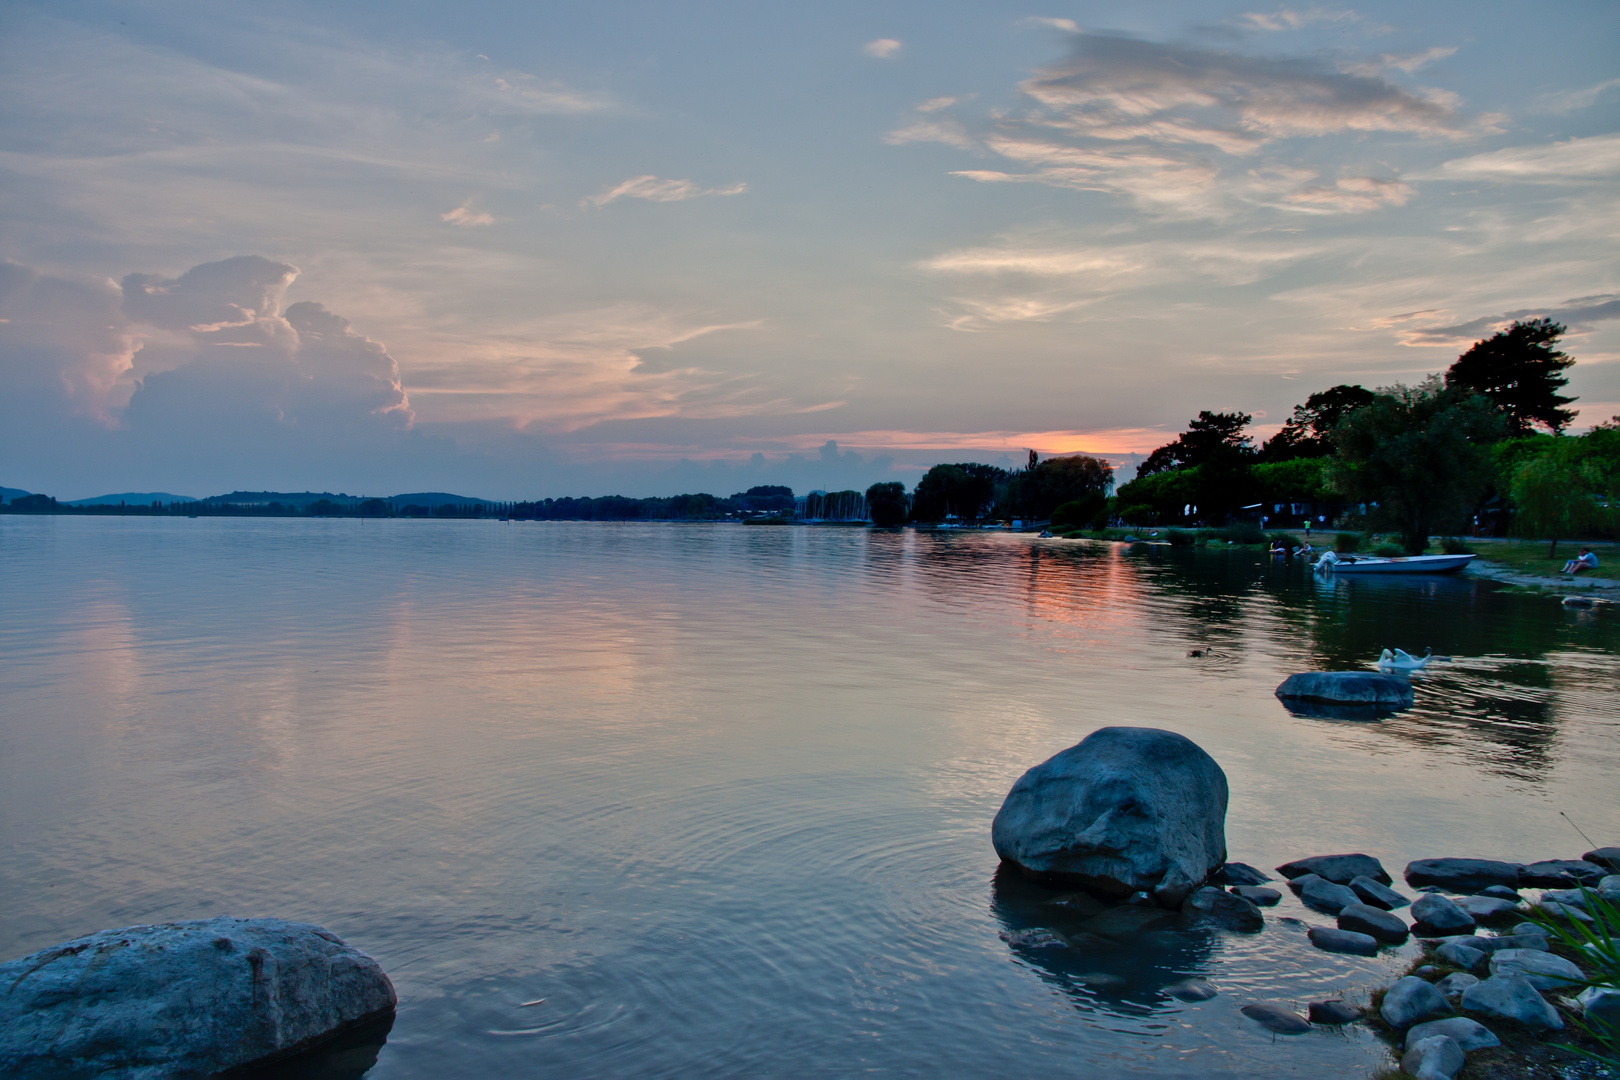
(1398, 564)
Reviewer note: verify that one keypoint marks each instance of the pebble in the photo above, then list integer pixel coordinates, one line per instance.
(1333, 1012)
(1470, 1034)
(1277, 1018)
(1366, 919)
(1377, 894)
(1544, 970)
(1325, 896)
(1191, 990)
(1511, 997)
(1435, 1058)
(1257, 894)
(1453, 985)
(1433, 912)
(1410, 1001)
(1329, 939)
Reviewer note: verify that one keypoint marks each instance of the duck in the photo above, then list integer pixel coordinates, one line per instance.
(1401, 660)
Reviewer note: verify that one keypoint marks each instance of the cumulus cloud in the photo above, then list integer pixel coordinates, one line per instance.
(465, 216)
(64, 345)
(1597, 157)
(1578, 314)
(882, 48)
(655, 189)
(1168, 126)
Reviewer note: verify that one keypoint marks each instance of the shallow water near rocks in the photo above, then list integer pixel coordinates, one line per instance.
(651, 800)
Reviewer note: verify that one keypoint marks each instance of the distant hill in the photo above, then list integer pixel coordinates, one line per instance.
(436, 498)
(7, 494)
(133, 498)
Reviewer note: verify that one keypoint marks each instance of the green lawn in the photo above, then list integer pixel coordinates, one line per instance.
(1530, 556)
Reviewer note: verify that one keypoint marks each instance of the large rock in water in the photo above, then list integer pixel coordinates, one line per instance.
(1126, 809)
(1355, 691)
(183, 999)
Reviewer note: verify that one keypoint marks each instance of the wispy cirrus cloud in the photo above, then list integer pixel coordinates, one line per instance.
(882, 48)
(1289, 19)
(1566, 101)
(466, 217)
(1577, 314)
(655, 189)
(1594, 158)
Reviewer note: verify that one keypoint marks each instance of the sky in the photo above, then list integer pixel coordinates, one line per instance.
(524, 251)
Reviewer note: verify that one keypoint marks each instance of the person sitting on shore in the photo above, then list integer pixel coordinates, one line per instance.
(1305, 551)
(1279, 548)
(1584, 561)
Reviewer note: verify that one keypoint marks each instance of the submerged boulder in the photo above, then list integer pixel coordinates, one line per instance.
(1126, 809)
(1346, 693)
(184, 999)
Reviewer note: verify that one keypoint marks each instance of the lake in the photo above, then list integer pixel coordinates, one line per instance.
(721, 795)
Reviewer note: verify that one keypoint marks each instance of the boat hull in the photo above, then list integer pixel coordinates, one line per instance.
(1411, 564)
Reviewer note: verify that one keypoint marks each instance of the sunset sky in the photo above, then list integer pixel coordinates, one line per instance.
(524, 250)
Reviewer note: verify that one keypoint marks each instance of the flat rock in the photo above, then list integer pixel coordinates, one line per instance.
(1544, 970)
(1433, 913)
(1237, 873)
(1411, 1001)
(1435, 1058)
(1607, 859)
(1501, 892)
(1276, 1018)
(1366, 919)
(1565, 911)
(1471, 1035)
(1461, 875)
(1224, 909)
(1330, 939)
(1339, 869)
(1258, 895)
(183, 999)
(1511, 997)
(1486, 907)
(1191, 990)
(1453, 985)
(1334, 1011)
(1455, 953)
(1126, 809)
(1368, 690)
(1327, 897)
(1560, 873)
(1377, 894)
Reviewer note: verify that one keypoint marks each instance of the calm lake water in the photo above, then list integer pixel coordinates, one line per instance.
(721, 796)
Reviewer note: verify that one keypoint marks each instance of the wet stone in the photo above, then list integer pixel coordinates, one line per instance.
(1376, 922)
(1191, 990)
(1276, 1018)
(1560, 873)
(1377, 894)
(1333, 1012)
(1257, 894)
(1461, 875)
(1236, 873)
(1544, 970)
(1501, 892)
(1457, 954)
(1034, 938)
(1339, 869)
(1224, 909)
(1486, 907)
(1330, 939)
(1606, 858)
(1327, 897)
(1433, 913)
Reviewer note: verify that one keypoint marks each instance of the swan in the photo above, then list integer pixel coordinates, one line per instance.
(1401, 660)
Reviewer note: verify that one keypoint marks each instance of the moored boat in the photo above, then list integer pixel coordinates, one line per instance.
(1395, 564)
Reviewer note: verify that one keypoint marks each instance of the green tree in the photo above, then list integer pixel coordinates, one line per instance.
(1422, 454)
(886, 504)
(1556, 494)
(963, 491)
(1519, 370)
(1036, 491)
(1307, 434)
